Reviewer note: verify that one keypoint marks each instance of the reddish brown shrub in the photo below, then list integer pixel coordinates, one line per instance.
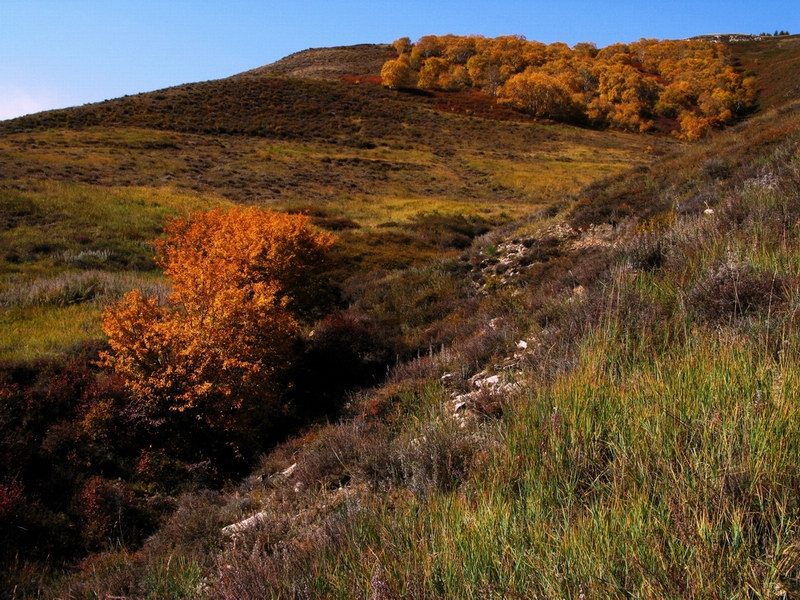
(12, 499)
(734, 289)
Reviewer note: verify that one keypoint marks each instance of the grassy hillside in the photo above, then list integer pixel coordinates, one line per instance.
(776, 60)
(361, 60)
(593, 339)
(401, 179)
(642, 442)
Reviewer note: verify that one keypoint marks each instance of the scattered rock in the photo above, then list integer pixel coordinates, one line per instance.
(289, 471)
(246, 525)
(491, 382)
(495, 323)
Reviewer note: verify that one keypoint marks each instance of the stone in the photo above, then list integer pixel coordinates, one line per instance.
(491, 381)
(245, 525)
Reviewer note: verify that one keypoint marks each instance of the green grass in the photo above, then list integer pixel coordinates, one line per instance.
(638, 475)
(51, 223)
(67, 250)
(31, 333)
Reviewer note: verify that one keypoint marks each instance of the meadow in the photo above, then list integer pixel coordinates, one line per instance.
(94, 197)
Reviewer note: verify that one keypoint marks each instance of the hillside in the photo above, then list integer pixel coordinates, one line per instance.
(775, 60)
(563, 361)
(402, 178)
(362, 60)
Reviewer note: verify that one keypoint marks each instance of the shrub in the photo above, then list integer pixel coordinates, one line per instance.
(193, 528)
(242, 281)
(438, 459)
(102, 503)
(346, 351)
(735, 289)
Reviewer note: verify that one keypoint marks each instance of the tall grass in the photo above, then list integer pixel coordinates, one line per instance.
(36, 332)
(662, 464)
(635, 476)
(53, 226)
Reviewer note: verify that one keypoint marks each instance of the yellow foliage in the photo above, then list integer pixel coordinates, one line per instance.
(537, 93)
(432, 69)
(627, 86)
(240, 279)
(402, 45)
(397, 73)
(693, 126)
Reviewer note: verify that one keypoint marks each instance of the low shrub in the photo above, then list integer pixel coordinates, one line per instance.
(735, 289)
(437, 458)
(193, 528)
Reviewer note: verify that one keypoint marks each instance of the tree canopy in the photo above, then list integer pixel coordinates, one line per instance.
(242, 281)
(686, 86)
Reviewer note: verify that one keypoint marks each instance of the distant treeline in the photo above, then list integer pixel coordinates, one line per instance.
(687, 87)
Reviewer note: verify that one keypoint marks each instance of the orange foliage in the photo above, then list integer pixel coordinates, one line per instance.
(628, 86)
(402, 45)
(431, 71)
(397, 73)
(537, 93)
(241, 279)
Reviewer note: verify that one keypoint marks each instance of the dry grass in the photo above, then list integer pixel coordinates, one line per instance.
(649, 447)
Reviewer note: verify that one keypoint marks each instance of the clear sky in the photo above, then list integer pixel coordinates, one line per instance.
(56, 53)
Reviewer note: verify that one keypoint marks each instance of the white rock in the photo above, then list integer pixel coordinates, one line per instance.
(708, 211)
(245, 525)
(522, 345)
(488, 382)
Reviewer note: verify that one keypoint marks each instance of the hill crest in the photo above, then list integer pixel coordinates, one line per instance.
(331, 63)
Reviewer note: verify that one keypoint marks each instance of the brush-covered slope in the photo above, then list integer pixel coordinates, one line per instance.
(401, 178)
(613, 414)
(592, 371)
(776, 61)
(359, 61)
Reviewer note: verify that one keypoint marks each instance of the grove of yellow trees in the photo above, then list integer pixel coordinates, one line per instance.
(687, 86)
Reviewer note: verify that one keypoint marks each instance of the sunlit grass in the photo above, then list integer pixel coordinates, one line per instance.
(553, 171)
(36, 332)
(606, 481)
(52, 221)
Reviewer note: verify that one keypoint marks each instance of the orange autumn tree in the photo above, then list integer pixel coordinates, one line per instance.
(397, 73)
(539, 94)
(686, 87)
(241, 280)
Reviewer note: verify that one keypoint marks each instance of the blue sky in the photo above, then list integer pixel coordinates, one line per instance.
(56, 53)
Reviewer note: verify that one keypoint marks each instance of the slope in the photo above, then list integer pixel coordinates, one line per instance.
(639, 440)
(776, 61)
(361, 60)
(605, 408)
(401, 178)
